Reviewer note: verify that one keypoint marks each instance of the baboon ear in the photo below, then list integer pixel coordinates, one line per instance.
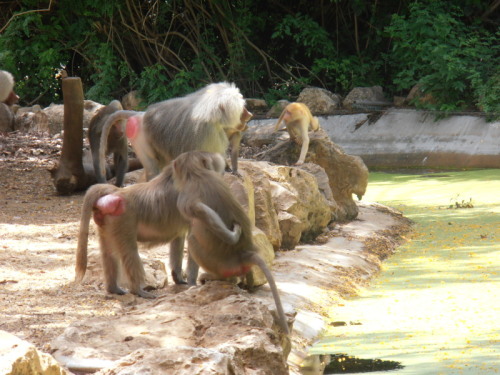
(207, 162)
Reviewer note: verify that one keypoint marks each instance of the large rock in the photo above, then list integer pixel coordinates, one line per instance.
(347, 174)
(183, 360)
(323, 182)
(360, 97)
(417, 94)
(277, 108)
(32, 122)
(320, 101)
(19, 357)
(265, 216)
(55, 114)
(257, 106)
(243, 190)
(291, 194)
(263, 134)
(218, 323)
(266, 251)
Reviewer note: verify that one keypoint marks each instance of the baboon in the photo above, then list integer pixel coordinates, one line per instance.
(202, 120)
(115, 142)
(220, 239)
(144, 212)
(298, 121)
(7, 93)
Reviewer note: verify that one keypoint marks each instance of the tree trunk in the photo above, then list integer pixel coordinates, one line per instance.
(69, 176)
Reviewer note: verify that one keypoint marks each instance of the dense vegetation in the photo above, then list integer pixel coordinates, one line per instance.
(270, 48)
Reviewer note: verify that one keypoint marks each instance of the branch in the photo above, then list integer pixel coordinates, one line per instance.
(495, 4)
(23, 13)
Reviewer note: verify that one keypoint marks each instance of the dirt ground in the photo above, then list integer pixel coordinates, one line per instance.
(38, 231)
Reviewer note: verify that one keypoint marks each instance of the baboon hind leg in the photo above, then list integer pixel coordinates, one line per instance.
(133, 267)
(110, 265)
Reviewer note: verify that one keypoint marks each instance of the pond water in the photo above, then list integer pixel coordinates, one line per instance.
(435, 307)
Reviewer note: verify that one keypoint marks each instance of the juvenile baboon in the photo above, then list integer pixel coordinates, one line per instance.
(202, 120)
(144, 212)
(220, 239)
(115, 142)
(298, 121)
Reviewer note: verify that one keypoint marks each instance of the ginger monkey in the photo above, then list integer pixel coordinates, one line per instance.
(298, 121)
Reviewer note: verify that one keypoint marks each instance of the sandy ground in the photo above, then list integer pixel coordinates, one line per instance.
(38, 231)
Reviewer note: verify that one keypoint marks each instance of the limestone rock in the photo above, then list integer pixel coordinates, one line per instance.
(265, 215)
(182, 360)
(347, 174)
(55, 114)
(276, 109)
(256, 106)
(28, 121)
(266, 251)
(417, 94)
(243, 191)
(323, 185)
(320, 101)
(364, 95)
(18, 357)
(184, 323)
(263, 134)
(292, 194)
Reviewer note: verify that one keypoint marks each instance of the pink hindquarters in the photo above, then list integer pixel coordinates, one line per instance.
(110, 204)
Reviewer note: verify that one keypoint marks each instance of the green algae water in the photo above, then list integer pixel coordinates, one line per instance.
(435, 307)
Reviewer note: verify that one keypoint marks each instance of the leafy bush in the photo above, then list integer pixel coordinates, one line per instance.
(308, 36)
(34, 68)
(342, 74)
(269, 49)
(453, 62)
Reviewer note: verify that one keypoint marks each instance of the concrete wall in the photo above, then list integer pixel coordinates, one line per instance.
(409, 138)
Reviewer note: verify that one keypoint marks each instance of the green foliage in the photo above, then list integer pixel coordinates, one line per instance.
(451, 61)
(108, 70)
(34, 68)
(309, 43)
(154, 83)
(306, 34)
(269, 49)
(342, 74)
(288, 90)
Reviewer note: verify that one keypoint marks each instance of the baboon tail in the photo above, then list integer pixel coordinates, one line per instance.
(92, 195)
(257, 259)
(314, 124)
(277, 126)
(114, 118)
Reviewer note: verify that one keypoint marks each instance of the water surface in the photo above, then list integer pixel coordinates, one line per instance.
(435, 307)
